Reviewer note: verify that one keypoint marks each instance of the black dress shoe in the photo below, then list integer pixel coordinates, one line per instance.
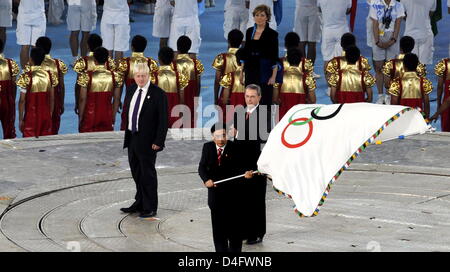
(255, 241)
(129, 209)
(147, 214)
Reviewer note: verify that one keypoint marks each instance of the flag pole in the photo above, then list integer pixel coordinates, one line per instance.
(233, 178)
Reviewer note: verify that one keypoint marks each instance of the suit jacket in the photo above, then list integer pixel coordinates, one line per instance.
(208, 168)
(250, 137)
(153, 118)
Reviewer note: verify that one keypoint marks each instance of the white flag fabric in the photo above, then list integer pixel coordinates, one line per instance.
(313, 144)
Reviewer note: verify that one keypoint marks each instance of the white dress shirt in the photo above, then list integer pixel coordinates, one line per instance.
(133, 103)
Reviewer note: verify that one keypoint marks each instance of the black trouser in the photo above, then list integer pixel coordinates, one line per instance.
(256, 207)
(142, 165)
(226, 236)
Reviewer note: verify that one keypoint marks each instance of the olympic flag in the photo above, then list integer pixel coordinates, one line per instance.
(313, 144)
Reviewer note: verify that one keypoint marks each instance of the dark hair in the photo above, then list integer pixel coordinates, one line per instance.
(294, 57)
(44, 43)
(352, 54)
(184, 44)
(218, 126)
(291, 40)
(101, 55)
(348, 39)
(165, 55)
(2, 45)
(235, 38)
(94, 41)
(410, 61)
(139, 43)
(37, 54)
(407, 44)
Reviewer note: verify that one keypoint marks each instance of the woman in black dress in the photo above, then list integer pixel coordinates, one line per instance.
(261, 54)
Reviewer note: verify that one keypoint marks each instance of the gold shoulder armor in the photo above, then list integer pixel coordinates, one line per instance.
(394, 89)
(62, 67)
(439, 69)
(111, 64)
(218, 62)
(83, 80)
(310, 82)
(332, 66)
(79, 66)
(118, 77)
(123, 66)
(309, 66)
(226, 80)
(153, 65)
(369, 80)
(365, 64)
(199, 66)
(24, 80)
(14, 68)
(421, 70)
(54, 79)
(387, 68)
(427, 86)
(333, 80)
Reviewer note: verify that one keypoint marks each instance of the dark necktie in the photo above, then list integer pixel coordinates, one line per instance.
(247, 115)
(219, 155)
(134, 118)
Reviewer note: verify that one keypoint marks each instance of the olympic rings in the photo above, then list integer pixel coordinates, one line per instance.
(305, 122)
(288, 145)
(315, 116)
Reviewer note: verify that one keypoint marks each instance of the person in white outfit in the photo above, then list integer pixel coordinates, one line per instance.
(334, 19)
(308, 27)
(236, 16)
(81, 16)
(55, 11)
(386, 16)
(252, 4)
(185, 22)
(418, 25)
(115, 27)
(162, 21)
(5, 18)
(31, 24)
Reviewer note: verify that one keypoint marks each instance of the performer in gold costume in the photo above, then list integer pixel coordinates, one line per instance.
(410, 89)
(87, 63)
(9, 69)
(57, 67)
(192, 68)
(36, 102)
(442, 70)
(99, 95)
(394, 68)
(350, 84)
(297, 87)
(226, 63)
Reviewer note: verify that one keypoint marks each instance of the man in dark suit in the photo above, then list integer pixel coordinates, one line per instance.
(251, 129)
(145, 134)
(220, 161)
